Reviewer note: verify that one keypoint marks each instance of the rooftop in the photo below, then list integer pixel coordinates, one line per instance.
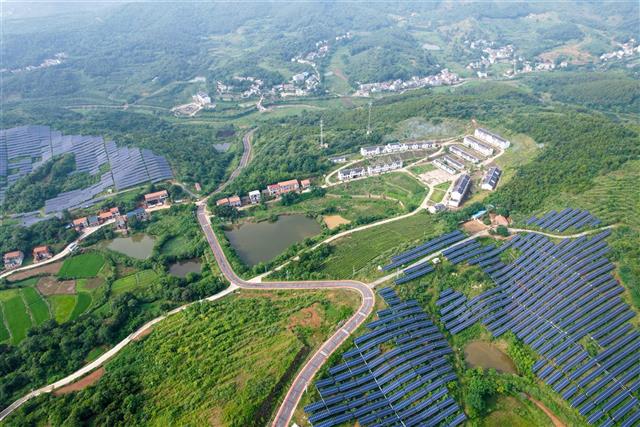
(156, 195)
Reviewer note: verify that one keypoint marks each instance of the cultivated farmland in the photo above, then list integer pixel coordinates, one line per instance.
(82, 266)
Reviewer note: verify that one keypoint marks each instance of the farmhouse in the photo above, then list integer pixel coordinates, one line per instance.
(40, 253)
(492, 138)
(476, 144)
(453, 162)
(222, 202)
(288, 186)
(138, 214)
(421, 145)
(13, 259)
(384, 166)
(121, 222)
(254, 196)
(371, 151)
(93, 220)
(273, 189)
(338, 159)
(347, 174)
(80, 223)
(157, 198)
(490, 180)
(305, 183)
(440, 164)
(235, 201)
(460, 189)
(458, 151)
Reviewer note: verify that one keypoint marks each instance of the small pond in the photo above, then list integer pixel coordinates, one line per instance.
(263, 241)
(487, 356)
(182, 268)
(138, 246)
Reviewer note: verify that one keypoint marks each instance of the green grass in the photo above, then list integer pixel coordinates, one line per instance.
(82, 266)
(17, 317)
(62, 306)
(513, 412)
(4, 332)
(398, 186)
(422, 168)
(362, 251)
(134, 282)
(439, 192)
(223, 363)
(37, 305)
(82, 305)
(174, 246)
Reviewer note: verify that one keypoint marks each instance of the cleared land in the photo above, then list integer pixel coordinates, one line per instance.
(134, 282)
(397, 186)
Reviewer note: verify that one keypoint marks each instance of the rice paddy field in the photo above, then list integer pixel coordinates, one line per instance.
(82, 266)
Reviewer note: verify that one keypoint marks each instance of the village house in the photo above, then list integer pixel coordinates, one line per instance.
(222, 202)
(305, 183)
(458, 151)
(254, 196)
(475, 144)
(491, 138)
(441, 164)
(421, 145)
(80, 223)
(13, 259)
(235, 201)
(273, 189)
(460, 189)
(490, 180)
(155, 199)
(338, 159)
(347, 174)
(371, 151)
(384, 166)
(41, 253)
(121, 222)
(438, 207)
(93, 221)
(139, 214)
(288, 186)
(453, 162)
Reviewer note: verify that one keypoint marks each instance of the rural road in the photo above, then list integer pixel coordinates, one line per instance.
(244, 161)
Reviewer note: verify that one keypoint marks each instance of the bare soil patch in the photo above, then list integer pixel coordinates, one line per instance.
(334, 221)
(474, 226)
(143, 334)
(94, 283)
(52, 268)
(555, 420)
(81, 384)
(50, 285)
(307, 317)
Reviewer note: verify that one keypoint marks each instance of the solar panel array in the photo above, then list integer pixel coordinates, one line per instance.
(25, 148)
(564, 220)
(405, 385)
(429, 247)
(554, 296)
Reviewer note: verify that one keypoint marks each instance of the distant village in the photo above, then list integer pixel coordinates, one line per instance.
(443, 78)
(155, 200)
(201, 100)
(629, 48)
(57, 59)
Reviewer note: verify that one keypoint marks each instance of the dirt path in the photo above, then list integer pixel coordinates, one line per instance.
(81, 384)
(555, 420)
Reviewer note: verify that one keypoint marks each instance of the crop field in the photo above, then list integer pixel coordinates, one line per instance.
(439, 192)
(82, 266)
(62, 306)
(220, 363)
(82, 304)
(398, 186)
(358, 255)
(4, 333)
(37, 305)
(16, 315)
(134, 282)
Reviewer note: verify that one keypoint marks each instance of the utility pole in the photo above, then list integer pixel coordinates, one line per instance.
(369, 120)
(322, 134)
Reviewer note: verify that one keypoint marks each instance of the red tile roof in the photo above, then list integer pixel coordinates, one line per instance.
(293, 182)
(234, 199)
(156, 195)
(40, 249)
(221, 202)
(14, 254)
(80, 221)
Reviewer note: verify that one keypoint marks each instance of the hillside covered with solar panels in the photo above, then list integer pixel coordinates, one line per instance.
(24, 149)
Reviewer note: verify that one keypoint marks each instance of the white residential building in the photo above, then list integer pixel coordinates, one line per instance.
(490, 180)
(347, 174)
(397, 147)
(254, 196)
(460, 189)
(440, 164)
(458, 151)
(338, 159)
(371, 151)
(475, 144)
(492, 138)
(421, 145)
(453, 162)
(384, 166)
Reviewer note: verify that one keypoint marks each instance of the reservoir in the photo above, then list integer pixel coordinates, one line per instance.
(138, 246)
(487, 355)
(182, 268)
(263, 241)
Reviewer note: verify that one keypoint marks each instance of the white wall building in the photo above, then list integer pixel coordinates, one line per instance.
(460, 189)
(492, 138)
(347, 174)
(475, 144)
(490, 180)
(254, 196)
(441, 164)
(463, 154)
(371, 151)
(383, 167)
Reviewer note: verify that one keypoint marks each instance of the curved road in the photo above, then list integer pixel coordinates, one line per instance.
(304, 377)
